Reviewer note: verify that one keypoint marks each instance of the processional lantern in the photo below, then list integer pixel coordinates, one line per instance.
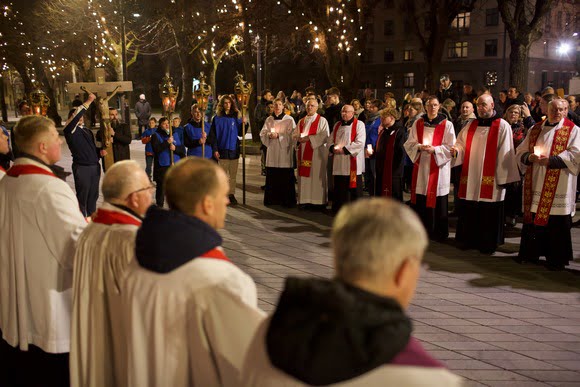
(243, 91)
(39, 102)
(202, 95)
(168, 93)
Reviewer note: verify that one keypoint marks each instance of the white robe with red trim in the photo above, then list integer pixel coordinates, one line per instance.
(2, 173)
(280, 149)
(98, 356)
(188, 327)
(442, 157)
(41, 223)
(565, 196)
(506, 170)
(314, 189)
(258, 371)
(341, 163)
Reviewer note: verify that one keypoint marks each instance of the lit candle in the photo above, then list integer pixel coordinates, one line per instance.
(537, 150)
(272, 130)
(426, 141)
(303, 134)
(370, 149)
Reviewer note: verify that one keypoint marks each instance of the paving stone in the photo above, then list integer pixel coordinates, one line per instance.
(488, 376)
(523, 364)
(552, 376)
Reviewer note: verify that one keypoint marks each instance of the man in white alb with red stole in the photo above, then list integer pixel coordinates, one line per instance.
(312, 156)
(429, 147)
(104, 251)
(486, 149)
(550, 158)
(348, 142)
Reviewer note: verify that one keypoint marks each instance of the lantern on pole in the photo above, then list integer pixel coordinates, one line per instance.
(39, 102)
(168, 94)
(202, 95)
(243, 91)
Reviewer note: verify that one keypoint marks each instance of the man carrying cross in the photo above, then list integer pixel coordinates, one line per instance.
(550, 158)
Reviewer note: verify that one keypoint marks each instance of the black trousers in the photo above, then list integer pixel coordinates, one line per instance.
(158, 176)
(553, 241)
(280, 188)
(32, 368)
(455, 180)
(87, 186)
(343, 194)
(370, 175)
(480, 225)
(435, 220)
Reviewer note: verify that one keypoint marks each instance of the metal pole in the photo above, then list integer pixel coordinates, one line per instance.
(243, 154)
(202, 133)
(258, 66)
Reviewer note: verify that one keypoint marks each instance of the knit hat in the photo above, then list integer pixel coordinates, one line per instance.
(142, 96)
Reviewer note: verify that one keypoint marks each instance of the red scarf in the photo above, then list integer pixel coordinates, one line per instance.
(489, 161)
(387, 185)
(559, 145)
(433, 181)
(352, 179)
(305, 161)
(108, 218)
(216, 254)
(28, 169)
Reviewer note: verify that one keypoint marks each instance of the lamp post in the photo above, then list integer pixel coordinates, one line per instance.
(168, 94)
(243, 90)
(202, 95)
(39, 102)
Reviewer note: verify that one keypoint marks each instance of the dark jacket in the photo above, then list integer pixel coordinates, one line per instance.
(448, 93)
(192, 135)
(326, 331)
(332, 115)
(81, 141)
(223, 136)
(161, 151)
(143, 112)
(398, 158)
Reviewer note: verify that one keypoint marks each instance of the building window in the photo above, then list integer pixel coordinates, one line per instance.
(491, 17)
(389, 27)
(461, 21)
(491, 47)
(389, 54)
(457, 50)
(544, 79)
(409, 80)
(407, 27)
(388, 81)
(368, 56)
(389, 4)
(559, 20)
(408, 55)
(546, 49)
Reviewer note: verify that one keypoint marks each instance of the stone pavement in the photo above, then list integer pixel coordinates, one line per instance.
(489, 319)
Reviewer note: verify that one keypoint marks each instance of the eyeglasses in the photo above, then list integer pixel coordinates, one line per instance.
(152, 186)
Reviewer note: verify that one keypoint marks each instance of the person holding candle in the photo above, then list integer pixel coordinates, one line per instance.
(485, 149)
(390, 155)
(372, 123)
(347, 150)
(276, 135)
(429, 148)
(550, 159)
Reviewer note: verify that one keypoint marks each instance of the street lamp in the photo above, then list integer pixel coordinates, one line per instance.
(202, 95)
(168, 94)
(243, 90)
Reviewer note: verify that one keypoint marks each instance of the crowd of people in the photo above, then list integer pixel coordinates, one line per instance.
(133, 294)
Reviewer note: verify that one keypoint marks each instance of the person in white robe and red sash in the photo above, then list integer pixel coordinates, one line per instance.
(4, 150)
(41, 222)
(104, 250)
(550, 158)
(485, 149)
(390, 155)
(276, 135)
(347, 150)
(429, 148)
(189, 312)
(312, 156)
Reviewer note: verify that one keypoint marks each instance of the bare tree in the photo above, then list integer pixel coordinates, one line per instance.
(523, 21)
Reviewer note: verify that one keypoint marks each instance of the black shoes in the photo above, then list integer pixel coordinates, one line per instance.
(233, 200)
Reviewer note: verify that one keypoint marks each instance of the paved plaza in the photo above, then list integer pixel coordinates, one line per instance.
(488, 319)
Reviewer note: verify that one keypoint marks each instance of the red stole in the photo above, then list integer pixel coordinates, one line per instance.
(215, 254)
(387, 184)
(433, 169)
(305, 161)
(352, 179)
(2, 169)
(489, 161)
(28, 169)
(108, 218)
(559, 144)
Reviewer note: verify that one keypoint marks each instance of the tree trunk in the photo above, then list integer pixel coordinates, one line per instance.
(519, 62)
(250, 76)
(184, 105)
(3, 102)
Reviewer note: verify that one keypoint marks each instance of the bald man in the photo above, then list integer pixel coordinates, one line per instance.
(105, 248)
(485, 148)
(41, 223)
(550, 158)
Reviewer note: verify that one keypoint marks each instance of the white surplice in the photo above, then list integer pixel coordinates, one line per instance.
(565, 197)
(98, 356)
(341, 163)
(2, 173)
(313, 189)
(41, 223)
(442, 157)
(188, 327)
(280, 149)
(506, 170)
